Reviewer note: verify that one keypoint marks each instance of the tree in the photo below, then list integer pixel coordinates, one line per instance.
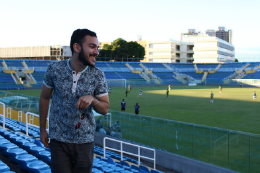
(236, 60)
(121, 50)
(135, 50)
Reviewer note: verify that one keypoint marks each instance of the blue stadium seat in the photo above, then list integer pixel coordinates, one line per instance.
(95, 170)
(111, 161)
(4, 167)
(144, 168)
(12, 153)
(22, 160)
(5, 147)
(155, 171)
(135, 167)
(35, 166)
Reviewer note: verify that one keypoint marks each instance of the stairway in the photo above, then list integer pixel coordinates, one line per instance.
(129, 66)
(204, 77)
(216, 69)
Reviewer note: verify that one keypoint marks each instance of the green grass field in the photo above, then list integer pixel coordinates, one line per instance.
(233, 109)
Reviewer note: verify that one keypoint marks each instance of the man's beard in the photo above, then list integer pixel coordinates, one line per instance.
(82, 59)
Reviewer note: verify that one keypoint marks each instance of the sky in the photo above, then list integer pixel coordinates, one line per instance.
(51, 22)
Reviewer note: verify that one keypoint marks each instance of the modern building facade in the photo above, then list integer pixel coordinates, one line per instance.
(169, 51)
(36, 52)
(211, 49)
(211, 33)
(224, 35)
(220, 33)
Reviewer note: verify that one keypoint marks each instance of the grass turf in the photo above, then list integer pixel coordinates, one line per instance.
(232, 109)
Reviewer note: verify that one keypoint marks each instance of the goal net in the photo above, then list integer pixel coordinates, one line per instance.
(116, 82)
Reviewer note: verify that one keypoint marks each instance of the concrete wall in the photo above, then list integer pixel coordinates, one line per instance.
(171, 161)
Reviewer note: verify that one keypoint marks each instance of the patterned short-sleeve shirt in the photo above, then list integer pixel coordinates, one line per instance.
(67, 123)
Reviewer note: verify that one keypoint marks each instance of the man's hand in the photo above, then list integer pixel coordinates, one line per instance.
(84, 102)
(44, 138)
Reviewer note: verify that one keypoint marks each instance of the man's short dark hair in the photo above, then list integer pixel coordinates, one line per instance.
(78, 37)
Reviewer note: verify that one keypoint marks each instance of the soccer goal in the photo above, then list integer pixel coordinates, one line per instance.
(116, 82)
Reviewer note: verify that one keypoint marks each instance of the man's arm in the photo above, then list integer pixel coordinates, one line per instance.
(100, 104)
(44, 108)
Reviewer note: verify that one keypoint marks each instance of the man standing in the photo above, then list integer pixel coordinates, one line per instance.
(109, 91)
(129, 88)
(77, 86)
(254, 96)
(126, 92)
(137, 109)
(123, 104)
(220, 88)
(141, 93)
(167, 93)
(211, 97)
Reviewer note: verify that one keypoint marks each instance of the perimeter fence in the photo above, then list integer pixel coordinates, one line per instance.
(230, 149)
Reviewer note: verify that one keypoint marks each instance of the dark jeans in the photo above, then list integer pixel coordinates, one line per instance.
(71, 158)
(136, 112)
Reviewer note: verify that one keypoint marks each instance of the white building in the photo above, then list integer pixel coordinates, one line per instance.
(36, 52)
(210, 49)
(169, 51)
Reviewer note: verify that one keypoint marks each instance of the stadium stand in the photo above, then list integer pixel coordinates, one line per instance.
(101, 65)
(255, 75)
(14, 63)
(194, 75)
(231, 66)
(111, 75)
(1, 65)
(135, 65)
(206, 66)
(7, 82)
(150, 73)
(216, 78)
(38, 76)
(183, 66)
(253, 65)
(37, 63)
(132, 77)
(156, 67)
(118, 66)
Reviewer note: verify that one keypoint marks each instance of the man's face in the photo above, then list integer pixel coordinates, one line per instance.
(89, 51)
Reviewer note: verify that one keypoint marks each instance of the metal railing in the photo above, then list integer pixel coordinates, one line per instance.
(3, 115)
(29, 121)
(122, 151)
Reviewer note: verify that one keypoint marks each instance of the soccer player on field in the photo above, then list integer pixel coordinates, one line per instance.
(254, 96)
(109, 91)
(211, 97)
(167, 93)
(123, 104)
(169, 87)
(129, 87)
(126, 92)
(137, 108)
(141, 93)
(220, 88)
